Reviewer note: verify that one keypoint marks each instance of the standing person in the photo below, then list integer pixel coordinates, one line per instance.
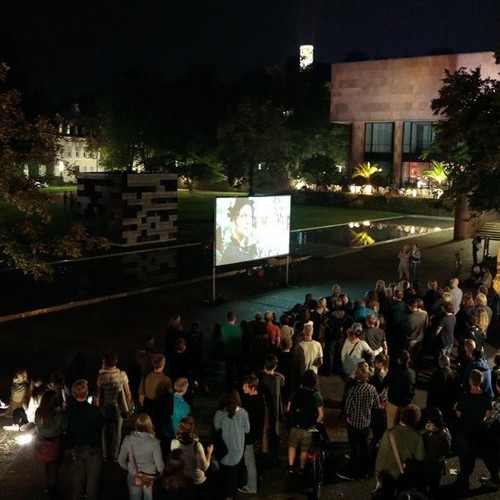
(415, 261)
(272, 384)
(404, 263)
(181, 407)
(196, 460)
(309, 351)
(110, 383)
(84, 426)
(400, 383)
(50, 424)
(408, 443)
(355, 350)
(305, 410)
(445, 330)
(233, 421)
(457, 295)
(156, 397)
(272, 330)
(473, 409)
(255, 405)
(437, 443)
(476, 248)
(173, 331)
(361, 400)
(19, 394)
(141, 452)
(232, 336)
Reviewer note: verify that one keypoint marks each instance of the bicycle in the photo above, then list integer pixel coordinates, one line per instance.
(316, 460)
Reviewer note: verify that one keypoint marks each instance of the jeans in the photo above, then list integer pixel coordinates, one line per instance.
(446, 350)
(86, 470)
(359, 450)
(467, 450)
(249, 456)
(111, 432)
(136, 492)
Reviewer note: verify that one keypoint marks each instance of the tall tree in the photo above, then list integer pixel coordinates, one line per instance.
(133, 123)
(252, 136)
(468, 134)
(27, 238)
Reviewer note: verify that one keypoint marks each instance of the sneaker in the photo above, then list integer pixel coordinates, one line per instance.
(14, 427)
(3, 405)
(290, 469)
(347, 456)
(345, 475)
(245, 489)
(27, 427)
(484, 479)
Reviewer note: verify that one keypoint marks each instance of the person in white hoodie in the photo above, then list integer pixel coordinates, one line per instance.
(141, 452)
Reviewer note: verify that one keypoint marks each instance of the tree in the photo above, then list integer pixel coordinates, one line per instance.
(252, 135)
(133, 116)
(468, 134)
(365, 170)
(438, 173)
(27, 238)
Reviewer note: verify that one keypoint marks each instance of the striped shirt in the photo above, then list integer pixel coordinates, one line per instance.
(110, 382)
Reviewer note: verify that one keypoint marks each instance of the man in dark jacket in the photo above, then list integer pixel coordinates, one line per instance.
(84, 427)
(400, 383)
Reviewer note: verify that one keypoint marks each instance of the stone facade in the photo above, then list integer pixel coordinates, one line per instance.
(129, 208)
(395, 91)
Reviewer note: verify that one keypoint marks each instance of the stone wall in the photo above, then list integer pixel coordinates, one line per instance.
(129, 208)
(396, 89)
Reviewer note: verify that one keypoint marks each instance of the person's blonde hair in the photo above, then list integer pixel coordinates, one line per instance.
(447, 297)
(20, 376)
(481, 299)
(143, 423)
(482, 319)
(181, 384)
(322, 302)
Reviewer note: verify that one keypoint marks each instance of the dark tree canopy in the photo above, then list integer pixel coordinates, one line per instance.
(468, 134)
(27, 238)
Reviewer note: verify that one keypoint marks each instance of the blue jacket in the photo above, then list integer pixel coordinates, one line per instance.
(483, 367)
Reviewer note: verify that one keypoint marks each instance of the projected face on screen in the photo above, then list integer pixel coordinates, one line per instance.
(251, 228)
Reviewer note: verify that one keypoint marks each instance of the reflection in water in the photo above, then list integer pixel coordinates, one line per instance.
(361, 239)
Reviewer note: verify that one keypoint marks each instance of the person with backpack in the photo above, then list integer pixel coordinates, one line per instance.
(305, 410)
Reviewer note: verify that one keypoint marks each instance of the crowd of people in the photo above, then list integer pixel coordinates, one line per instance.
(377, 344)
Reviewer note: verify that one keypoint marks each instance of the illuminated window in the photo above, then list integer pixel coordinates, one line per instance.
(417, 137)
(378, 137)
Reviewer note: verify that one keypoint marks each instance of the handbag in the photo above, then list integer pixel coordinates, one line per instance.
(411, 473)
(142, 479)
(47, 450)
(220, 447)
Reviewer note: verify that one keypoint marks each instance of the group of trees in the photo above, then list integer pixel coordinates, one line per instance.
(269, 125)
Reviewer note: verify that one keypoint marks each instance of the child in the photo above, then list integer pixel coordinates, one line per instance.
(19, 393)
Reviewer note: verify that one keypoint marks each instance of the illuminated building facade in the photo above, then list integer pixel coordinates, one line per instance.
(387, 104)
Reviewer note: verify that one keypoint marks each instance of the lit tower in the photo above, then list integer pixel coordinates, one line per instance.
(306, 56)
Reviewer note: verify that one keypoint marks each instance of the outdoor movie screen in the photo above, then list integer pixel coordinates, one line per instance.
(251, 228)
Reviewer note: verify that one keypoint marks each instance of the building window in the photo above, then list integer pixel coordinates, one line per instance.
(378, 137)
(417, 137)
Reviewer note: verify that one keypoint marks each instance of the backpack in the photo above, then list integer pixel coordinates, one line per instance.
(303, 411)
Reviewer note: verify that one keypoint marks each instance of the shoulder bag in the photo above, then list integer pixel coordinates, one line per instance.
(411, 473)
(142, 479)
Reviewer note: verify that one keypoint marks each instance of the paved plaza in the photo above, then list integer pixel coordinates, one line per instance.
(44, 343)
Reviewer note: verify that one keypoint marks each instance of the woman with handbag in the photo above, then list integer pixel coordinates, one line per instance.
(140, 454)
(50, 424)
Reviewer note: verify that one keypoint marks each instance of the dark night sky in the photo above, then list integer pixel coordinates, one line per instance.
(71, 46)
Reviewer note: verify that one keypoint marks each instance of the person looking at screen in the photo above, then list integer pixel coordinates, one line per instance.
(242, 244)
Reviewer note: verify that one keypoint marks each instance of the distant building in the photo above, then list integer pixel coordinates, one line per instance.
(387, 104)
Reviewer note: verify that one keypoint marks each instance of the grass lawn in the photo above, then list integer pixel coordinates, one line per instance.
(196, 213)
